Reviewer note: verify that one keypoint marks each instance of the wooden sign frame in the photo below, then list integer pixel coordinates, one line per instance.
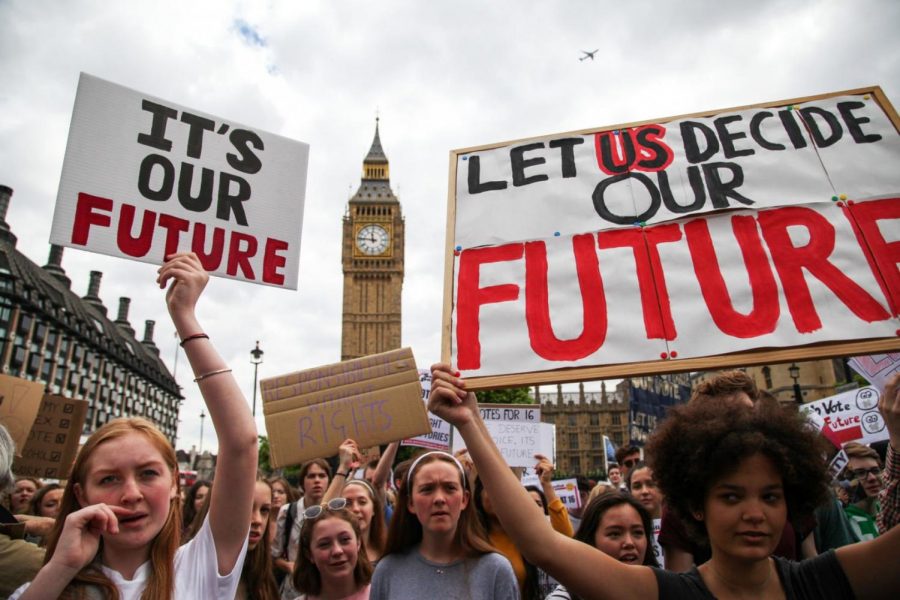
(634, 369)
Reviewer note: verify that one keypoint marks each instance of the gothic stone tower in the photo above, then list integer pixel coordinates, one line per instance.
(372, 259)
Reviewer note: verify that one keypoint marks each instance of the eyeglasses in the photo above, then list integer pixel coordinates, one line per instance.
(863, 473)
(630, 462)
(335, 504)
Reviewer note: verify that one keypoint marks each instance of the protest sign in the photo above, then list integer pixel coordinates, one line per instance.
(439, 438)
(733, 237)
(144, 178)
(518, 433)
(567, 491)
(53, 440)
(838, 464)
(848, 417)
(876, 368)
(20, 401)
(374, 400)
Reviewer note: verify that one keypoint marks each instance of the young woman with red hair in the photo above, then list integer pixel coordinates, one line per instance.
(119, 528)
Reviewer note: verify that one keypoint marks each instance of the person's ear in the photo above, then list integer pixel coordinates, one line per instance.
(79, 494)
(465, 500)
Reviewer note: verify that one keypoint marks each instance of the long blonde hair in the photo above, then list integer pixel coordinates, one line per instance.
(161, 584)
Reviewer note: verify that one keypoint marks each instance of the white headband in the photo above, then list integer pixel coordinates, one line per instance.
(412, 469)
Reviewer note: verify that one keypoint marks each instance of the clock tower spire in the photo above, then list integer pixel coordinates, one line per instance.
(372, 260)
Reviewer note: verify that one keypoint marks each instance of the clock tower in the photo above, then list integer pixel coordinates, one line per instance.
(372, 259)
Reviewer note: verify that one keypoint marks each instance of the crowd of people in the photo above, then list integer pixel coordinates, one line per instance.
(730, 498)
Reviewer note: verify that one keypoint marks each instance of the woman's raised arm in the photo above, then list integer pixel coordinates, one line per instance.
(232, 494)
(583, 569)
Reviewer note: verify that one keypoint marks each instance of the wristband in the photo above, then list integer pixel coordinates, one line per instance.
(200, 378)
(344, 475)
(196, 336)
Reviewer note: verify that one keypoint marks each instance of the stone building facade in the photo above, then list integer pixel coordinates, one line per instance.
(50, 334)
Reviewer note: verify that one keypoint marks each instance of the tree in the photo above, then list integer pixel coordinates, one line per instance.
(290, 473)
(518, 395)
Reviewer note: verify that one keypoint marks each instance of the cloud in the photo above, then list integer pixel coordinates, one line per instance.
(249, 34)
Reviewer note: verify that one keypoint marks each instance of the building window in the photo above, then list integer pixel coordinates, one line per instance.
(573, 420)
(595, 440)
(616, 419)
(573, 441)
(767, 374)
(595, 419)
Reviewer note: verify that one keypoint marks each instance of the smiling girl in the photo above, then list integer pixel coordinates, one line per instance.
(436, 543)
(119, 527)
(331, 563)
(737, 474)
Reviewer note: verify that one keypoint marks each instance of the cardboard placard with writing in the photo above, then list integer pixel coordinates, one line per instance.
(374, 400)
(53, 441)
(851, 416)
(20, 401)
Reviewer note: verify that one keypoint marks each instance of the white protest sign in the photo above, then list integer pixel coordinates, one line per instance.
(144, 178)
(567, 491)
(848, 417)
(838, 463)
(685, 238)
(877, 368)
(518, 432)
(439, 438)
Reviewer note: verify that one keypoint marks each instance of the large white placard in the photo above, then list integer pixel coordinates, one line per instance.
(439, 438)
(770, 227)
(144, 178)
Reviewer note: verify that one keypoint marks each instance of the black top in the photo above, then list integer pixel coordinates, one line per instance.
(819, 578)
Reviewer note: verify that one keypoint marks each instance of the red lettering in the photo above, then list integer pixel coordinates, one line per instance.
(883, 256)
(272, 261)
(212, 259)
(655, 303)
(85, 216)
(537, 302)
(470, 297)
(173, 226)
(763, 317)
(636, 149)
(790, 261)
(135, 246)
(240, 257)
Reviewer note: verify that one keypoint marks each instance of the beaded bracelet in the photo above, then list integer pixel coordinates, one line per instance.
(196, 336)
(200, 378)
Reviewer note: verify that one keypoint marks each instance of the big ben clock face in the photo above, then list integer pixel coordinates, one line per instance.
(373, 240)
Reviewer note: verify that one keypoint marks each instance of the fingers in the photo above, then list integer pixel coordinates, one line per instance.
(447, 383)
(181, 267)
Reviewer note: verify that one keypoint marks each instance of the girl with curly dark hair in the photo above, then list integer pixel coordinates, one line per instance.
(738, 474)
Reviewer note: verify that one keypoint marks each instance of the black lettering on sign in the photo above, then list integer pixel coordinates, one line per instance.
(243, 140)
(727, 138)
(567, 154)
(197, 125)
(157, 136)
(520, 163)
(168, 177)
(853, 122)
(475, 184)
(821, 138)
(692, 150)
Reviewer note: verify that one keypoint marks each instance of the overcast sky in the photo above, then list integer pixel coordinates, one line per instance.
(441, 75)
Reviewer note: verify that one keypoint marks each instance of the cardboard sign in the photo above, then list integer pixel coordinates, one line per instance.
(374, 400)
(696, 238)
(20, 401)
(848, 417)
(439, 438)
(877, 368)
(144, 177)
(53, 441)
(567, 491)
(518, 433)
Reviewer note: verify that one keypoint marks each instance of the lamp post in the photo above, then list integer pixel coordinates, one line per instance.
(202, 417)
(794, 371)
(255, 358)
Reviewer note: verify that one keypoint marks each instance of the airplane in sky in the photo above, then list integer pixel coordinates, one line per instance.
(588, 55)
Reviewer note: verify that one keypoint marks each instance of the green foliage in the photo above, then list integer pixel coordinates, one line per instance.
(506, 396)
(265, 466)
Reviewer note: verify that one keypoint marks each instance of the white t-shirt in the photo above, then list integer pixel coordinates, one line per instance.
(196, 572)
